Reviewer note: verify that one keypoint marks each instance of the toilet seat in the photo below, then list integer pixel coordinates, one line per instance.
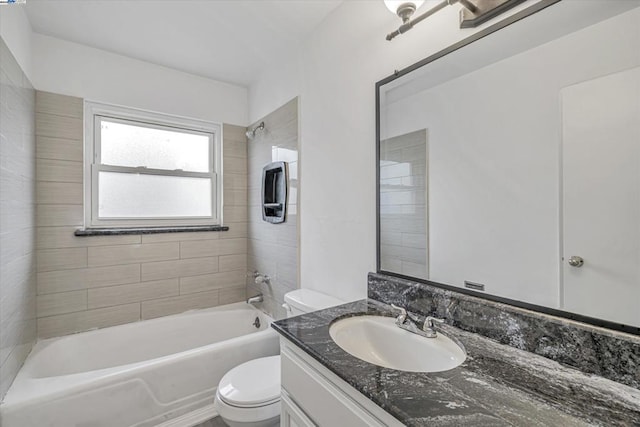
(261, 416)
(253, 384)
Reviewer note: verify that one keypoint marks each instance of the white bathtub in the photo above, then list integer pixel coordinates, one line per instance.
(156, 372)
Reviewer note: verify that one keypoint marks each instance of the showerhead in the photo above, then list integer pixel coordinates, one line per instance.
(251, 133)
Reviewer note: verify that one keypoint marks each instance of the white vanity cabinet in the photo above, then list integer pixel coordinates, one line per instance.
(314, 396)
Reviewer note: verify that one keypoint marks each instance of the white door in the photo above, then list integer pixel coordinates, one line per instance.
(601, 197)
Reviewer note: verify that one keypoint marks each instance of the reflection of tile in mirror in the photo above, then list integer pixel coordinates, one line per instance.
(403, 204)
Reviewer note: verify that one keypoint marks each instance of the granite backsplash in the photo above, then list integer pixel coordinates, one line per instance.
(590, 349)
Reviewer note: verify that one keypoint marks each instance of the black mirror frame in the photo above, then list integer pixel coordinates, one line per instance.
(467, 41)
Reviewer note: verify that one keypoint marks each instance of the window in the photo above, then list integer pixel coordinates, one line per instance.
(147, 169)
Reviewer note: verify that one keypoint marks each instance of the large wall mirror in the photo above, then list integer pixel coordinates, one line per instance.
(509, 164)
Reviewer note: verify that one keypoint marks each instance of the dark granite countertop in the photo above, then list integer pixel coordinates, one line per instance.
(497, 385)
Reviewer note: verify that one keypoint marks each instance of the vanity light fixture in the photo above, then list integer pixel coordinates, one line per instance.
(472, 14)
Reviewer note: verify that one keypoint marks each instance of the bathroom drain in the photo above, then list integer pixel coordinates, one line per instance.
(256, 322)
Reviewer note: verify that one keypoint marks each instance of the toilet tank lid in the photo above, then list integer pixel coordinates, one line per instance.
(307, 300)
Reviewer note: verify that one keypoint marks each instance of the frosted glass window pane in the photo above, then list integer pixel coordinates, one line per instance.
(126, 195)
(131, 145)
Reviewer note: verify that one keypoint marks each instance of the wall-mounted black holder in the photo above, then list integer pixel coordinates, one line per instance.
(274, 192)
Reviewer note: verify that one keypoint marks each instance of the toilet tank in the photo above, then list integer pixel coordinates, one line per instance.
(303, 301)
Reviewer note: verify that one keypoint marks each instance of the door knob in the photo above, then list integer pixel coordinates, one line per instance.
(576, 261)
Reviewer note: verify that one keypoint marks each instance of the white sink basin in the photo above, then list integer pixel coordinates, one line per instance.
(378, 340)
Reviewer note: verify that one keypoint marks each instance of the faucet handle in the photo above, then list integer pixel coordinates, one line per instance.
(402, 310)
(260, 278)
(429, 322)
(402, 317)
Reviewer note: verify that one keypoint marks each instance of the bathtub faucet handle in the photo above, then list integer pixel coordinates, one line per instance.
(260, 278)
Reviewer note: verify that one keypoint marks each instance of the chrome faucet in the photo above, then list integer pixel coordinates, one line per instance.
(428, 328)
(260, 278)
(405, 320)
(408, 321)
(255, 299)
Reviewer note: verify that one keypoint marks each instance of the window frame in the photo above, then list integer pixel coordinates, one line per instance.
(95, 112)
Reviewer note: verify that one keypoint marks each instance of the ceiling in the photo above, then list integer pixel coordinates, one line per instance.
(226, 40)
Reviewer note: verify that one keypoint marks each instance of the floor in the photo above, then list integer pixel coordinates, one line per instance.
(214, 422)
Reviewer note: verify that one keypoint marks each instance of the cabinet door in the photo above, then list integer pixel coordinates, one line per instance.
(292, 415)
(324, 402)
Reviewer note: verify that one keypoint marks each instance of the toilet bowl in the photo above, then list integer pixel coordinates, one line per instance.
(249, 394)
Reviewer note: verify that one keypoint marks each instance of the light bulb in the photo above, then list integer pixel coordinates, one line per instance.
(392, 5)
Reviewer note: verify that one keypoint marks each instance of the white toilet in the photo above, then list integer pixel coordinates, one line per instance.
(249, 394)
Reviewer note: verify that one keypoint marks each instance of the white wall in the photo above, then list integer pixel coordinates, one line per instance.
(16, 32)
(277, 86)
(77, 70)
(337, 70)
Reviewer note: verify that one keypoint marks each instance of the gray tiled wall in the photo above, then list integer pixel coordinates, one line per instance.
(403, 204)
(99, 281)
(273, 248)
(17, 218)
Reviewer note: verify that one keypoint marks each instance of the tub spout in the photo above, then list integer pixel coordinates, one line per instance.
(255, 299)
